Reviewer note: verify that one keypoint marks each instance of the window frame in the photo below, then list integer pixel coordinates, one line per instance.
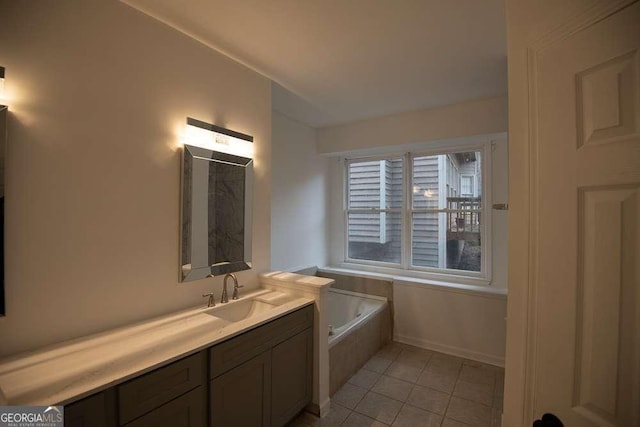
(405, 267)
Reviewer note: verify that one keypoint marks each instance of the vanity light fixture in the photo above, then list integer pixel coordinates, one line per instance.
(219, 139)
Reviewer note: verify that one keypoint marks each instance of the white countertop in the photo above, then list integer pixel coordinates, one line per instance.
(68, 371)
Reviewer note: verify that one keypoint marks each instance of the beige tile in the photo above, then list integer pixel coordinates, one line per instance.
(477, 364)
(379, 407)
(476, 392)
(393, 388)
(478, 374)
(448, 422)
(444, 364)
(429, 399)
(378, 364)
(364, 378)
(336, 416)
(349, 395)
(358, 420)
(390, 351)
(496, 417)
(304, 419)
(469, 412)
(385, 326)
(368, 340)
(439, 381)
(342, 363)
(415, 349)
(403, 372)
(410, 416)
(417, 359)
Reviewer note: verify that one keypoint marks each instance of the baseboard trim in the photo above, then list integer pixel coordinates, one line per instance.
(324, 407)
(319, 410)
(453, 351)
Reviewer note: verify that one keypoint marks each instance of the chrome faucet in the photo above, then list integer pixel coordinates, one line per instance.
(225, 297)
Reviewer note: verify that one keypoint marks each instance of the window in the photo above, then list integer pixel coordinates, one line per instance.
(419, 212)
(466, 185)
(375, 210)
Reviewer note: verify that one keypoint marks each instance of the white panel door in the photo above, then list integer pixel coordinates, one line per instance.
(586, 87)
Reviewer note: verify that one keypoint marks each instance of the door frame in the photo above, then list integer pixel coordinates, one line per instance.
(522, 302)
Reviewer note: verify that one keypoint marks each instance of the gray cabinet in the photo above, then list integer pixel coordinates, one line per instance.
(184, 411)
(97, 410)
(262, 377)
(150, 391)
(241, 397)
(171, 396)
(291, 377)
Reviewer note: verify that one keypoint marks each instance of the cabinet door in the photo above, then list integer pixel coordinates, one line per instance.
(241, 397)
(95, 411)
(291, 371)
(184, 411)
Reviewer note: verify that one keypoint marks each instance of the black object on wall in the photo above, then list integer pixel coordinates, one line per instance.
(3, 134)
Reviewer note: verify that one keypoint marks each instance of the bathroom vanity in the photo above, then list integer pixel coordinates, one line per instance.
(246, 363)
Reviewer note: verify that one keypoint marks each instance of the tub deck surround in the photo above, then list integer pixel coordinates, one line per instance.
(61, 373)
(296, 282)
(361, 325)
(316, 288)
(348, 310)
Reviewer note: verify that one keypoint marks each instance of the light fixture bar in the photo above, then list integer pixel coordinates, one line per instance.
(218, 129)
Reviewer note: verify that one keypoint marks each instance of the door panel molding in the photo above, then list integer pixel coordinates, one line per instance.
(606, 101)
(607, 302)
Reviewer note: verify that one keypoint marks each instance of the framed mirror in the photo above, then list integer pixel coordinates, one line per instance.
(217, 194)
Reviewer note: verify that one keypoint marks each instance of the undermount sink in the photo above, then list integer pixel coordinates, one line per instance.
(240, 310)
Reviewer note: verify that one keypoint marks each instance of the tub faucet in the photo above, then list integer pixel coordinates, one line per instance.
(225, 297)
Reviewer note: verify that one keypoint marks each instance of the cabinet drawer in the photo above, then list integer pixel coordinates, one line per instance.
(152, 390)
(185, 411)
(234, 352)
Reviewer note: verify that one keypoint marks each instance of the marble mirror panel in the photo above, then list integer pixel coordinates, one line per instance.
(216, 213)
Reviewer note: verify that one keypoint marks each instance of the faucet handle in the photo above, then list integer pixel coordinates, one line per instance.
(235, 290)
(211, 302)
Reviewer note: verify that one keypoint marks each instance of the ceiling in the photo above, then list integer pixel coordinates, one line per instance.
(337, 61)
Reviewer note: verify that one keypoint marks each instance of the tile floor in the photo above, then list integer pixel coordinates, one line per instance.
(404, 385)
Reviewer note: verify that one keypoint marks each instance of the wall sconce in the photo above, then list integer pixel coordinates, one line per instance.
(206, 135)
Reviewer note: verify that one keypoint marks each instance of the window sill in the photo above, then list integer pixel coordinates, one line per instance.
(407, 280)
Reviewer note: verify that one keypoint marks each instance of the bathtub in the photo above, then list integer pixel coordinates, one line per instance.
(359, 325)
(348, 310)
